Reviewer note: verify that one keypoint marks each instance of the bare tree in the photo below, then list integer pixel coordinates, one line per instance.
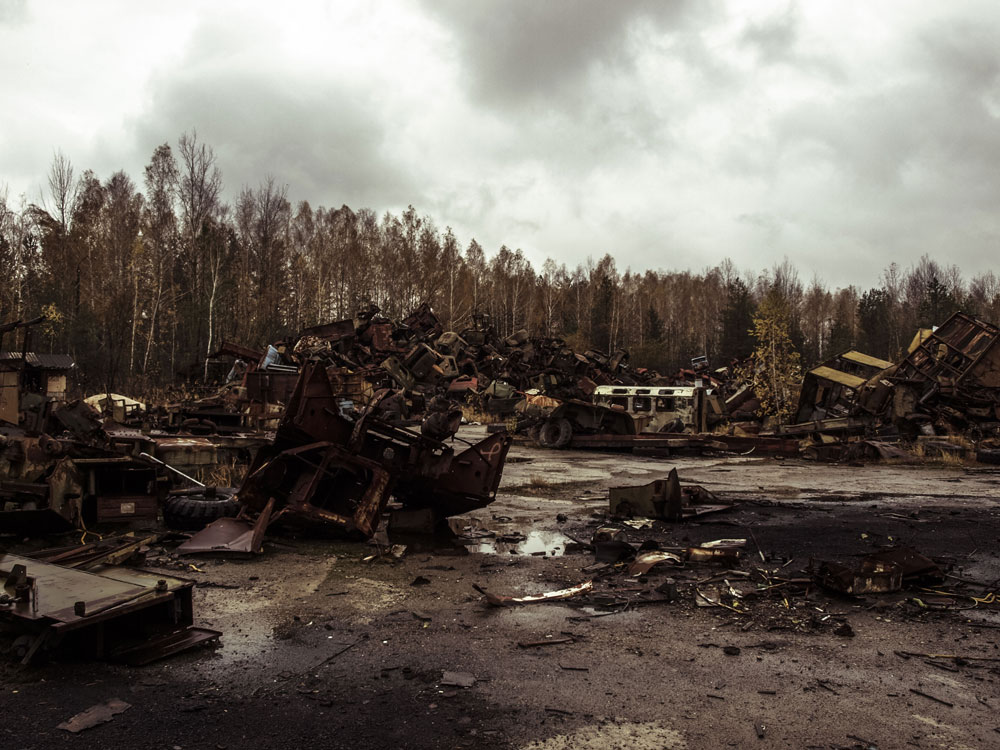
(200, 188)
(62, 189)
(159, 233)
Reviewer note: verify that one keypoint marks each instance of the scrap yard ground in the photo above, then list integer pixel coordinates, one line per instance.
(322, 648)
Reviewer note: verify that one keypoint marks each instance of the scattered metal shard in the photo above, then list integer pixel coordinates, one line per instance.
(505, 601)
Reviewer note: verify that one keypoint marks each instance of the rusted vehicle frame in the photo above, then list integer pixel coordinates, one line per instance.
(316, 448)
(320, 482)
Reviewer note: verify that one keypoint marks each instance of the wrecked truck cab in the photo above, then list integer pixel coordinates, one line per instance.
(624, 411)
(663, 409)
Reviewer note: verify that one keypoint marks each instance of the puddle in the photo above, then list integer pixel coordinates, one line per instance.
(552, 543)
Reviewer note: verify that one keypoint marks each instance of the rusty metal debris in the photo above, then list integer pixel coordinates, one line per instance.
(872, 577)
(647, 560)
(102, 612)
(330, 470)
(722, 551)
(948, 383)
(665, 499)
(230, 535)
(415, 358)
(882, 572)
(115, 550)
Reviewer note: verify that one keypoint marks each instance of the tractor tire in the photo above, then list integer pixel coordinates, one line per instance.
(556, 433)
(195, 512)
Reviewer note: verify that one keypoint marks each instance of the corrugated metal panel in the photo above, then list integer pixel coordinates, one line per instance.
(828, 373)
(41, 361)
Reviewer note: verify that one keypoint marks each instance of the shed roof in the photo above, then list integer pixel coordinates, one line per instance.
(40, 361)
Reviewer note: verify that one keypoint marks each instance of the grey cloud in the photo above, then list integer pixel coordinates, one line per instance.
(775, 38)
(13, 12)
(962, 51)
(932, 119)
(327, 141)
(524, 51)
(768, 225)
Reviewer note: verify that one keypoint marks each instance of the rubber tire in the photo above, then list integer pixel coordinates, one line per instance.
(193, 513)
(555, 433)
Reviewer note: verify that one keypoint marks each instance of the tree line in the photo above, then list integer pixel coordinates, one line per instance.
(139, 283)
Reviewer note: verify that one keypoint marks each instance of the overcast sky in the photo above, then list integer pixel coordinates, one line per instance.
(844, 135)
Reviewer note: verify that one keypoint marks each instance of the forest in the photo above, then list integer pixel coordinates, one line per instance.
(138, 282)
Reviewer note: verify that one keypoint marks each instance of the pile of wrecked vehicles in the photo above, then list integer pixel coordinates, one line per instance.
(324, 472)
(942, 399)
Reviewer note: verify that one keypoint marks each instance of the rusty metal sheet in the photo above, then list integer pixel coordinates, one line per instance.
(167, 644)
(336, 331)
(251, 356)
(724, 555)
(379, 337)
(55, 591)
(230, 535)
(664, 498)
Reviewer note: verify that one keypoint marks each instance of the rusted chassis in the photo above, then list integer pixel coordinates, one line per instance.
(329, 470)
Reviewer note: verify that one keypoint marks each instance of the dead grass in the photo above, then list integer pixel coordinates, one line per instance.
(225, 474)
(538, 481)
(471, 414)
(929, 454)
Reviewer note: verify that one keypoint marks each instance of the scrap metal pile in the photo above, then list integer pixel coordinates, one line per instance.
(67, 467)
(851, 406)
(418, 358)
(948, 384)
(326, 470)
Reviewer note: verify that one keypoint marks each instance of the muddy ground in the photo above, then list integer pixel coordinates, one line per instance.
(322, 649)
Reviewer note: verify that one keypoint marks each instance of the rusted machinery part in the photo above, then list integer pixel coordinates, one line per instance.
(51, 446)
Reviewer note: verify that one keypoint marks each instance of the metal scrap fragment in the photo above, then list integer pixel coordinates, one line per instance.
(95, 715)
(503, 601)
